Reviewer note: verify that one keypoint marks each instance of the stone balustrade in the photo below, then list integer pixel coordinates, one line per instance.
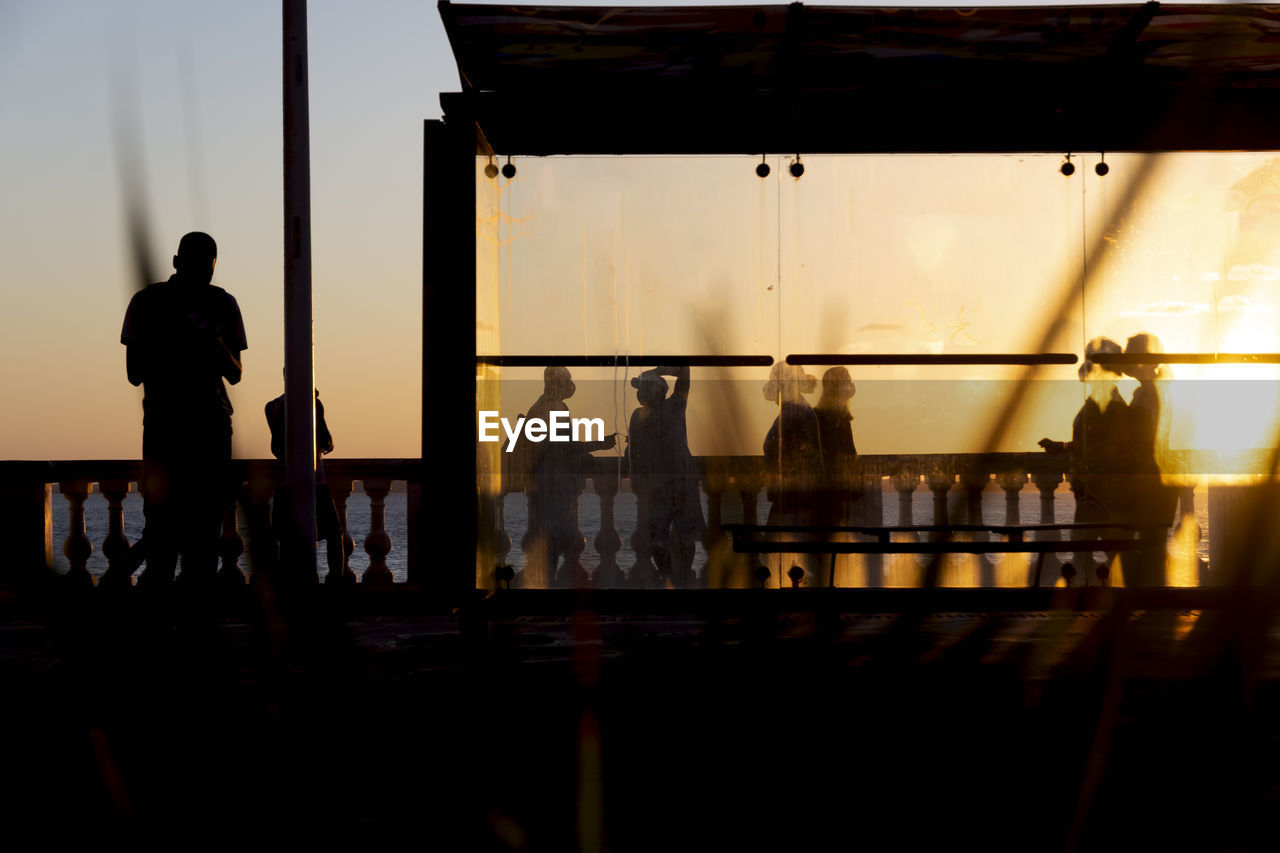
(733, 486)
(26, 500)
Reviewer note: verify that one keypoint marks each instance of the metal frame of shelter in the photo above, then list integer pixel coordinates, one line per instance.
(798, 79)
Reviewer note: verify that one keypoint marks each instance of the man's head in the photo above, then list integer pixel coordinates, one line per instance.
(557, 383)
(197, 255)
(1090, 369)
(788, 383)
(651, 388)
(1144, 343)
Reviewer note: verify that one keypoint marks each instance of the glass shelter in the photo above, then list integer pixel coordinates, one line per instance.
(805, 296)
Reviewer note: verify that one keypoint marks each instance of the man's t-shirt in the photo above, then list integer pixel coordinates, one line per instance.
(174, 327)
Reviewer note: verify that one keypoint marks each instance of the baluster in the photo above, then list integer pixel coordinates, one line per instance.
(871, 489)
(572, 573)
(77, 546)
(415, 553)
(869, 512)
(378, 543)
(973, 483)
(904, 568)
(1050, 565)
(607, 540)
(230, 547)
(115, 547)
(940, 485)
(905, 485)
(1012, 483)
(501, 538)
(340, 488)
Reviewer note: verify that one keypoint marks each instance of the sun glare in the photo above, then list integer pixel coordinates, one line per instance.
(1235, 406)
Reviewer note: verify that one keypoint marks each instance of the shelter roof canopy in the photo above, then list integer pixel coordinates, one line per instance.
(751, 79)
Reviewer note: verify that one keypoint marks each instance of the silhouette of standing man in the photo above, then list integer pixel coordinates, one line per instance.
(663, 474)
(183, 337)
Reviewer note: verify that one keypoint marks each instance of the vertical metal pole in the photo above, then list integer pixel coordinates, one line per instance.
(448, 360)
(299, 384)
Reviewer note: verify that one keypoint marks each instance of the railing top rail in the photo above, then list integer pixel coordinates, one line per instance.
(98, 470)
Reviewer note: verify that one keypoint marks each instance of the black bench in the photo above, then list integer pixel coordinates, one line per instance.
(759, 539)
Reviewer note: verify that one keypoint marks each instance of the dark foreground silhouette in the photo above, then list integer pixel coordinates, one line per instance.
(183, 336)
(784, 723)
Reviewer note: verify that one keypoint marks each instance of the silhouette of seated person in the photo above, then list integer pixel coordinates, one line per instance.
(552, 474)
(663, 474)
(1099, 442)
(328, 528)
(183, 337)
(839, 455)
(1151, 493)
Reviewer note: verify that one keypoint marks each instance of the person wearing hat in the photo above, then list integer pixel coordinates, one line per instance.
(183, 338)
(1099, 441)
(663, 474)
(1152, 498)
(551, 475)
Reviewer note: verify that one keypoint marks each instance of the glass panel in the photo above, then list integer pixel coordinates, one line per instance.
(961, 257)
(625, 258)
(937, 256)
(1186, 261)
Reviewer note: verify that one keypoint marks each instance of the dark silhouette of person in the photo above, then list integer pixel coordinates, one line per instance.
(1099, 441)
(839, 455)
(663, 474)
(183, 337)
(792, 447)
(1152, 500)
(551, 474)
(793, 452)
(328, 528)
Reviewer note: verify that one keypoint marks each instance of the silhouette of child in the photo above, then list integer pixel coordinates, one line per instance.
(663, 473)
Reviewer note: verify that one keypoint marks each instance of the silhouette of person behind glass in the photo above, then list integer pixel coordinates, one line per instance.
(328, 528)
(793, 451)
(663, 474)
(1099, 442)
(1152, 500)
(183, 337)
(839, 455)
(551, 474)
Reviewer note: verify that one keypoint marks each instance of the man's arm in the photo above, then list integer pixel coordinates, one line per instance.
(133, 364)
(134, 357)
(228, 361)
(681, 373)
(232, 342)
